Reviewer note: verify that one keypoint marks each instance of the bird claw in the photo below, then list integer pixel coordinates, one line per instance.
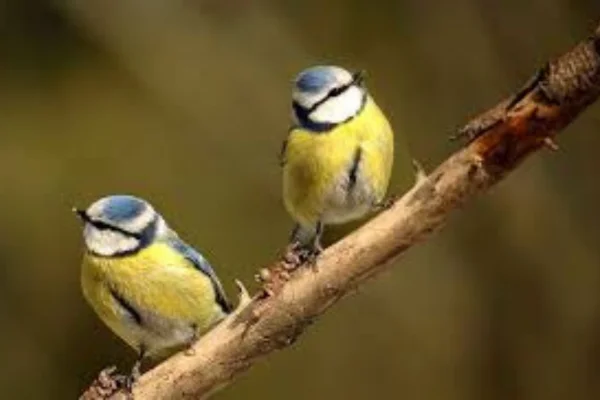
(311, 256)
(291, 258)
(112, 382)
(297, 254)
(189, 350)
(105, 385)
(128, 381)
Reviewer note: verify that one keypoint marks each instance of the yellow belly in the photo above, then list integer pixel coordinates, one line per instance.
(316, 169)
(174, 300)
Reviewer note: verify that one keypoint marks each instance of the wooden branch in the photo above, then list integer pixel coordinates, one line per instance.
(500, 139)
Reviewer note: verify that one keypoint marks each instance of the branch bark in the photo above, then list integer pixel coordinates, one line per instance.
(500, 139)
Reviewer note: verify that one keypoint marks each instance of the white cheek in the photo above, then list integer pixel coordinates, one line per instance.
(107, 242)
(339, 108)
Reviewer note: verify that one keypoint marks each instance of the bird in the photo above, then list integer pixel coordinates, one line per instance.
(338, 155)
(151, 288)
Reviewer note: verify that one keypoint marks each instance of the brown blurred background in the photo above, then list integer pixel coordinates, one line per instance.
(185, 103)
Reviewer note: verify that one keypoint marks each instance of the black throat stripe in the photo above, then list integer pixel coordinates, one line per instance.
(130, 310)
(104, 226)
(353, 171)
(337, 91)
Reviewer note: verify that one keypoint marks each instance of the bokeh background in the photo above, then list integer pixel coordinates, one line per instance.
(186, 103)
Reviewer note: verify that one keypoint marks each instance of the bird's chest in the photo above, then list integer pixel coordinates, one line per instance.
(315, 159)
(116, 289)
(331, 171)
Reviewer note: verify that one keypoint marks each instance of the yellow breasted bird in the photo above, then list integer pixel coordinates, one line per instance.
(338, 156)
(152, 289)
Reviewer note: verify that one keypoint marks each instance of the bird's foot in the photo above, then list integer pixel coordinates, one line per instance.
(311, 254)
(294, 256)
(189, 346)
(291, 259)
(133, 377)
(297, 254)
(108, 383)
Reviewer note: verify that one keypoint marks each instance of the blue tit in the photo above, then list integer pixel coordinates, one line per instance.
(152, 289)
(338, 156)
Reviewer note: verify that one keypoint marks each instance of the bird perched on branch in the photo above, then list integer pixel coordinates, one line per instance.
(152, 289)
(337, 159)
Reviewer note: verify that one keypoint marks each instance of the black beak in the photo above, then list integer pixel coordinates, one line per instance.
(81, 214)
(358, 78)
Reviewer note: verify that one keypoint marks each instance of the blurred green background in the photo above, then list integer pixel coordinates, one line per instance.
(185, 103)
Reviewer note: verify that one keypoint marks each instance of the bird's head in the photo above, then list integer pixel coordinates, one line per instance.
(325, 96)
(120, 225)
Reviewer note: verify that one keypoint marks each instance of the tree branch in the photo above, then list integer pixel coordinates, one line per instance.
(500, 139)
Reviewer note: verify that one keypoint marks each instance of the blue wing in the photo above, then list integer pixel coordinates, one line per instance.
(201, 264)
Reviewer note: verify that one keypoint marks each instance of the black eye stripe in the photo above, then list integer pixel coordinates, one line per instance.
(144, 238)
(335, 92)
(103, 226)
(303, 113)
(357, 80)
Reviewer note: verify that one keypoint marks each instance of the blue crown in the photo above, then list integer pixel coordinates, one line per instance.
(120, 208)
(314, 79)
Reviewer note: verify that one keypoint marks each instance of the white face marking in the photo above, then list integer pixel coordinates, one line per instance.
(106, 242)
(339, 108)
(115, 225)
(308, 99)
(135, 225)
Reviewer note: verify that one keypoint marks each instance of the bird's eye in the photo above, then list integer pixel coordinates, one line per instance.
(337, 91)
(101, 225)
